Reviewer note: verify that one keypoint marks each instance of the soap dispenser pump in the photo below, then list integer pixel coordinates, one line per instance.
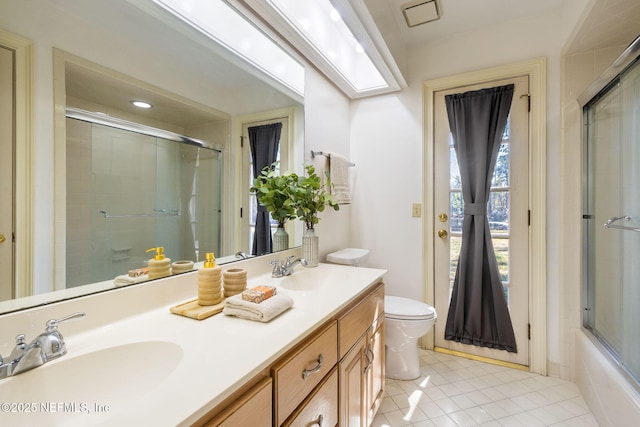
(210, 282)
(159, 265)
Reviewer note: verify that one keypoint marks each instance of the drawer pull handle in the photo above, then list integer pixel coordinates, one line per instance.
(313, 370)
(319, 422)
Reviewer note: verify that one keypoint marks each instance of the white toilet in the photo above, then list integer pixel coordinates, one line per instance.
(406, 320)
(349, 256)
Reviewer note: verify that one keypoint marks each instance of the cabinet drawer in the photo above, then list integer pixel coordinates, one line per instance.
(321, 408)
(252, 409)
(296, 375)
(355, 322)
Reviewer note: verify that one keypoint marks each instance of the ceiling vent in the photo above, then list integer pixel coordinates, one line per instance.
(420, 12)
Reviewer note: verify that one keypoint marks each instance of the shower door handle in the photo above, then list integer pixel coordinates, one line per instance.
(611, 223)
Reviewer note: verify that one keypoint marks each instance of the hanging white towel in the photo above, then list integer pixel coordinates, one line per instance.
(263, 312)
(339, 170)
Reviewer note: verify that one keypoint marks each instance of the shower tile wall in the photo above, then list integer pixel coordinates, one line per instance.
(124, 181)
(157, 192)
(78, 258)
(115, 173)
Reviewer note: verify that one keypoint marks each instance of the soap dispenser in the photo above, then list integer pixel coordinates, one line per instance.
(210, 282)
(159, 265)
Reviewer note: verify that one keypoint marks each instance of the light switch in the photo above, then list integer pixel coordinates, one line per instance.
(416, 210)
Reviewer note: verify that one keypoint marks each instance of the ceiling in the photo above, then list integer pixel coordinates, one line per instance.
(607, 23)
(117, 93)
(456, 16)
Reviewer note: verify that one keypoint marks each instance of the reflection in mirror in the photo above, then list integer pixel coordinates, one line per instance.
(131, 190)
(149, 54)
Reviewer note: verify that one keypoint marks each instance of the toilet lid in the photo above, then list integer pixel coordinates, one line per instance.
(407, 309)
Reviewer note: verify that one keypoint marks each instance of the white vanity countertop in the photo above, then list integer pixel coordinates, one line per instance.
(204, 361)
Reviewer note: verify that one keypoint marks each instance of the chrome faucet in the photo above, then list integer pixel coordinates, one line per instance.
(241, 255)
(286, 268)
(47, 346)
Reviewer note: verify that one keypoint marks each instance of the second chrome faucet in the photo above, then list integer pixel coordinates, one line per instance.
(286, 268)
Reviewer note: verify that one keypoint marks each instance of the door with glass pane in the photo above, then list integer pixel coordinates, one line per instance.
(6, 174)
(508, 212)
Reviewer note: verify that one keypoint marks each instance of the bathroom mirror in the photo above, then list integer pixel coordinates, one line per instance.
(73, 43)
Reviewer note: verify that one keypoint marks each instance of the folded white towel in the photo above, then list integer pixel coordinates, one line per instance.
(263, 312)
(125, 279)
(339, 172)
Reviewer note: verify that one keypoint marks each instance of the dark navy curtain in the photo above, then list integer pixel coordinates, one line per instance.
(264, 142)
(478, 313)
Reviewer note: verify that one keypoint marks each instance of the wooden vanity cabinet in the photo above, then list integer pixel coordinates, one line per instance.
(362, 367)
(335, 377)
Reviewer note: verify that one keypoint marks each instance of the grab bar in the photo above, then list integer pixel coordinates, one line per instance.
(159, 213)
(610, 223)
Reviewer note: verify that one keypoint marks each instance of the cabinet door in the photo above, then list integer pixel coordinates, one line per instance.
(375, 372)
(352, 386)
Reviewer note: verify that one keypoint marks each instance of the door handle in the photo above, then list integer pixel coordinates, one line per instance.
(2, 238)
(442, 234)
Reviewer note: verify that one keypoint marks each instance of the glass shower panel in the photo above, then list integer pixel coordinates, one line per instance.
(128, 192)
(611, 253)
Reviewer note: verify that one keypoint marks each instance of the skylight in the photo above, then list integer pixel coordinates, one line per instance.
(222, 23)
(323, 27)
(340, 38)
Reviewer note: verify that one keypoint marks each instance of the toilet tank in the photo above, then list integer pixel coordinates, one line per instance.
(349, 256)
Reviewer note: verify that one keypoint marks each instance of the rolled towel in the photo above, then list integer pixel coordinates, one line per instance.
(262, 312)
(125, 279)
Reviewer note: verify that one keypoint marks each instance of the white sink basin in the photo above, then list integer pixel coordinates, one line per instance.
(116, 376)
(311, 279)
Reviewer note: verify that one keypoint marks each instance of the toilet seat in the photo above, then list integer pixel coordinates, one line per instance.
(400, 308)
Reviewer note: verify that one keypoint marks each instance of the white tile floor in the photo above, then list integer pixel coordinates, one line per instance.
(453, 391)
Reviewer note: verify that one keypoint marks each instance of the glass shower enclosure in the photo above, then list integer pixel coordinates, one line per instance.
(131, 188)
(611, 227)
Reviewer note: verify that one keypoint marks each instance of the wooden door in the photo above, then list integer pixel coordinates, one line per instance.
(7, 132)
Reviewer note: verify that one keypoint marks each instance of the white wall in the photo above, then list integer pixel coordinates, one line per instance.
(326, 112)
(387, 138)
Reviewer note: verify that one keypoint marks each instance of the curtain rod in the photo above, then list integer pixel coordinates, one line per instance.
(322, 153)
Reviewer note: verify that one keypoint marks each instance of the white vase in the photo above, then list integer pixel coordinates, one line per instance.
(280, 240)
(310, 247)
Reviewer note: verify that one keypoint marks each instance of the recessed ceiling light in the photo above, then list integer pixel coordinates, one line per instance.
(141, 104)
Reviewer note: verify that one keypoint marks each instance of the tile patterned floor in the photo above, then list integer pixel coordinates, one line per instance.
(458, 392)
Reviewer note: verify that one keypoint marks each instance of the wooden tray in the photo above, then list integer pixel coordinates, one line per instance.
(195, 311)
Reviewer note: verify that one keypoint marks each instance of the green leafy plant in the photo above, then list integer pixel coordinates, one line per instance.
(275, 193)
(311, 196)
